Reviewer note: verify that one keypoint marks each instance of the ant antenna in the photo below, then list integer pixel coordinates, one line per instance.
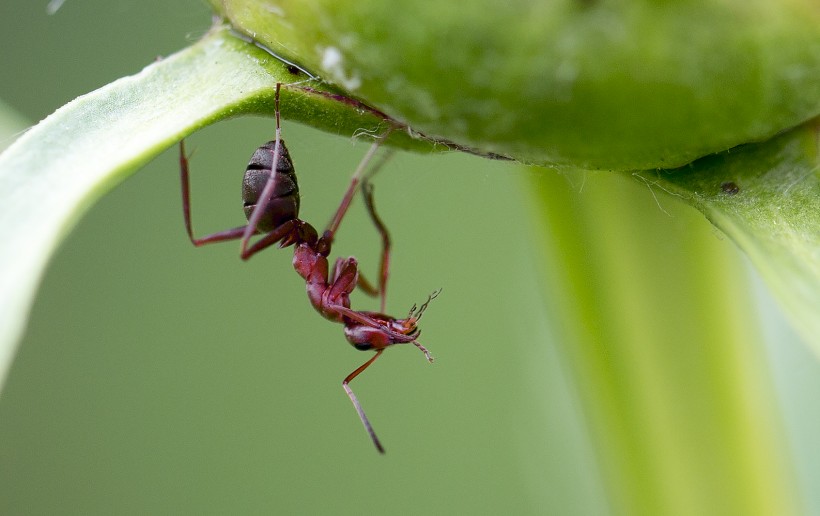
(424, 350)
(416, 314)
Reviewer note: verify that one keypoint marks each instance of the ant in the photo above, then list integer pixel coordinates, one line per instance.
(271, 203)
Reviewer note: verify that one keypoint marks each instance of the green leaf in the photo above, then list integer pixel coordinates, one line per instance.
(53, 173)
(617, 85)
(766, 197)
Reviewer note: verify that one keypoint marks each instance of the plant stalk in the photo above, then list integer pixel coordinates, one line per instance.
(656, 328)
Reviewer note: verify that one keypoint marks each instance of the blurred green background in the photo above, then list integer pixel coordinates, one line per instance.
(159, 378)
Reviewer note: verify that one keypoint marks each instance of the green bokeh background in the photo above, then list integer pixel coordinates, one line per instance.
(159, 378)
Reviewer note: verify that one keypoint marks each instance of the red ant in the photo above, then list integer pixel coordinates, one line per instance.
(271, 201)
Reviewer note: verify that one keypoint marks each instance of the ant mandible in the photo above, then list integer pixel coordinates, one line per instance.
(271, 202)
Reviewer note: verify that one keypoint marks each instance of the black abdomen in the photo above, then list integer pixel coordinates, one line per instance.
(283, 204)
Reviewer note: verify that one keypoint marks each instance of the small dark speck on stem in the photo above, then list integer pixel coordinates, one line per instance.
(729, 188)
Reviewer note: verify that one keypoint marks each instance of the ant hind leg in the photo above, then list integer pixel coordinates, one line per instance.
(222, 236)
(264, 197)
(384, 264)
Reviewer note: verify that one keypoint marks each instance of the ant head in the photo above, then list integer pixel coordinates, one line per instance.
(408, 327)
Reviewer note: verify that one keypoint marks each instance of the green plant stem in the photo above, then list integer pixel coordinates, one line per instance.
(657, 331)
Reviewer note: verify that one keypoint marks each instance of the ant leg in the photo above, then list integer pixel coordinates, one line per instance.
(278, 233)
(363, 284)
(357, 405)
(354, 183)
(380, 289)
(229, 234)
(367, 287)
(264, 198)
(342, 280)
(384, 266)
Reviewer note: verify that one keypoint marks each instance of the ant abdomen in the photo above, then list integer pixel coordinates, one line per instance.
(283, 204)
